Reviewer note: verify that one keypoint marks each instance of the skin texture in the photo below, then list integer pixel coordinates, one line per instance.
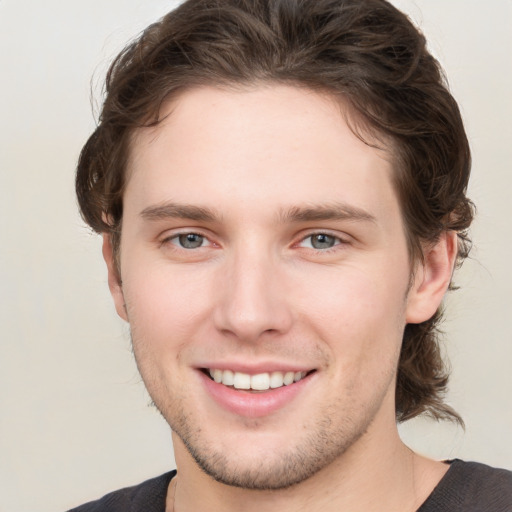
(254, 174)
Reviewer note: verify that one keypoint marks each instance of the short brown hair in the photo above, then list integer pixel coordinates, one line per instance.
(364, 51)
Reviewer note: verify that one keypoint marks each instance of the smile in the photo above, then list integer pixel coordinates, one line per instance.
(259, 382)
(258, 393)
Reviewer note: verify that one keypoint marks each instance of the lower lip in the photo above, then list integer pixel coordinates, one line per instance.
(250, 404)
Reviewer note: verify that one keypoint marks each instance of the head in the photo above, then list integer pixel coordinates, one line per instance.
(365, 56)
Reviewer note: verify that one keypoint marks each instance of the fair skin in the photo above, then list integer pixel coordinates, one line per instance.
(262, 237)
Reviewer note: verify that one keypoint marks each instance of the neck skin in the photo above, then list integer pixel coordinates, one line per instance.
(378, 473)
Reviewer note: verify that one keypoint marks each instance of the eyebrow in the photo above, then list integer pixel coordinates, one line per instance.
(331, 211)
(170, 210)
(311, 213)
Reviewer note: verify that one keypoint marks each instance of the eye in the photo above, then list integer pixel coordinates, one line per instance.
(320, 241)
(189, 240)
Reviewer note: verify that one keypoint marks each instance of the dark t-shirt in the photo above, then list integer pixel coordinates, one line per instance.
(466, 487)
(149, 496)
(471, 487)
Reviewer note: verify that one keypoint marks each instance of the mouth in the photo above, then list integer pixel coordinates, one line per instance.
(258, 382)
(256, 394)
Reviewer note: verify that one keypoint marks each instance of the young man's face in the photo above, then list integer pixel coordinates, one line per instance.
(263, 240)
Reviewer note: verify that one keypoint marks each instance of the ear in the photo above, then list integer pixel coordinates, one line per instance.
(432, 278)
(114, 279)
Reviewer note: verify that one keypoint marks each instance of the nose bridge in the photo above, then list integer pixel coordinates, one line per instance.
(251, 299)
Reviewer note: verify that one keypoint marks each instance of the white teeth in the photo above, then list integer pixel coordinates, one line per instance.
(228, 378)
(242, 381)
(276, 380)
(259, 382)
(288, 378)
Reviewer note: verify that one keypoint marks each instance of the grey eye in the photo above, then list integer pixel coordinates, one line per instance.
(322, 241)
(191, 240)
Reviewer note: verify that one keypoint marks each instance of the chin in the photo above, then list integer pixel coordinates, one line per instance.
(258, 462)
(270, 471)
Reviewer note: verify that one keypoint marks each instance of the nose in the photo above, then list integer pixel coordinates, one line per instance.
(252, 298)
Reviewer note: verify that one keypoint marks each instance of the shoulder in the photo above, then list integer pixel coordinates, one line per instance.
(149, 496)
(472, 487)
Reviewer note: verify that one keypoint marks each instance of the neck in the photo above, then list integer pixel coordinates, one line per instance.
(377, 474)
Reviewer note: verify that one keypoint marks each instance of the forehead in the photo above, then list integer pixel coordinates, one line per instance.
(225, 148)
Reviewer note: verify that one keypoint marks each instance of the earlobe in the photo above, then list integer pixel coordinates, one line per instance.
(114, 279)
(432, 278)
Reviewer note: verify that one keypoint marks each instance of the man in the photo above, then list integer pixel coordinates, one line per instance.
(280, 186)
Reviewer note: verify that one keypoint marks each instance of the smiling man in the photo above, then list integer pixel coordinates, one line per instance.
(280, 186)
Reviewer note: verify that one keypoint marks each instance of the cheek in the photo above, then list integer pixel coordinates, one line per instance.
(359, 315)
(164, 305)
(160, 317)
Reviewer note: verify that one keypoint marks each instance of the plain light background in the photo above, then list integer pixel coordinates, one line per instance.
(74, 417)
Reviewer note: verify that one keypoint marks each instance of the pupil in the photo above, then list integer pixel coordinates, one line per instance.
(322, 241)
(191, 240)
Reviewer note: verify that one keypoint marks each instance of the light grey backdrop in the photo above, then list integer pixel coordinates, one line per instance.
(74, 417)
